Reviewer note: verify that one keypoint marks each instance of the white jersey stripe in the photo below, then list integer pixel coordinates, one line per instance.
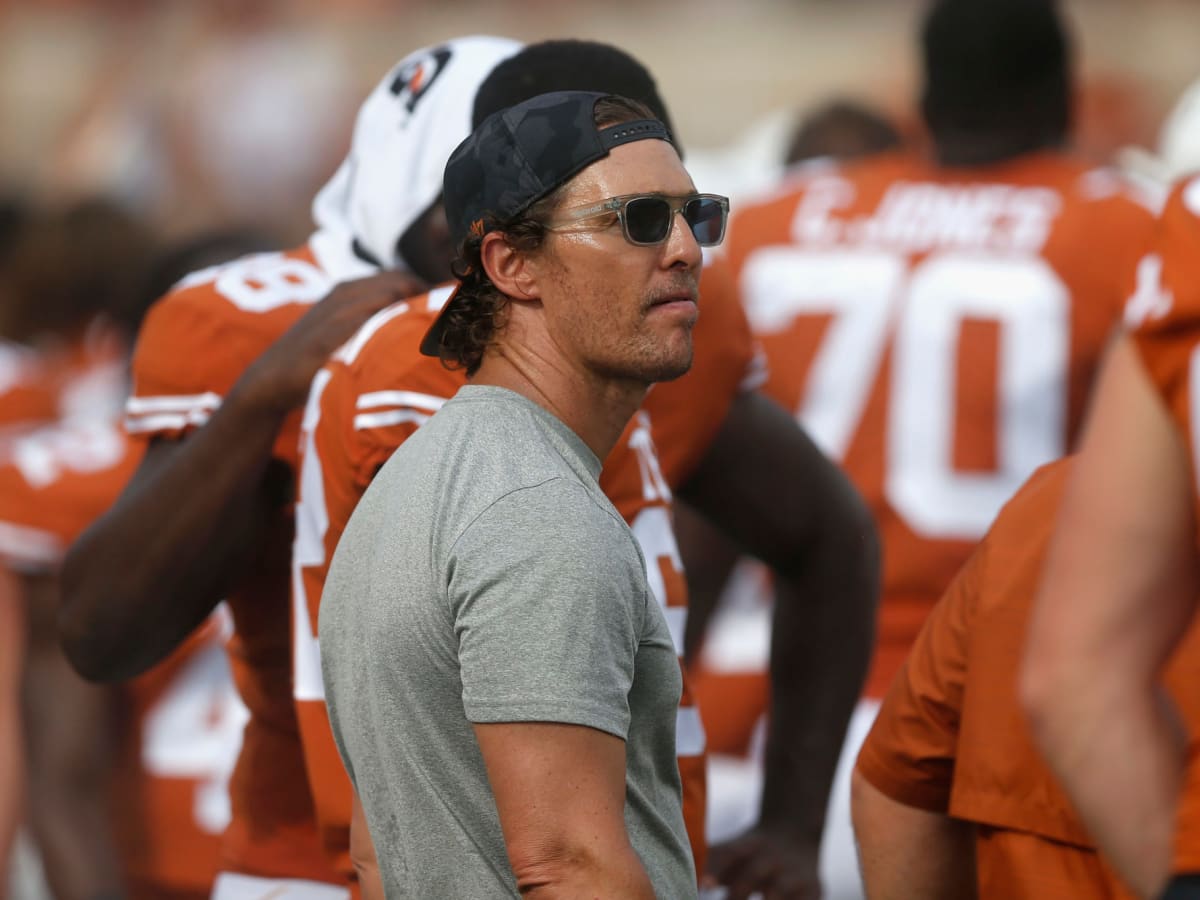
(165, 422)
(349, 351)
(23, 545)
(690, 739)
(174, 404)
(427, 402)
(391, 417)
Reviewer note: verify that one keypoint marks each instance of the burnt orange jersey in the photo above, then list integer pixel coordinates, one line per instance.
(76, 377)
(182, 722)
(178, 747)
(378, 389)
(54, 481)
(936, 331)
(951, 737)
(195, 344)
(27, 391)
(1165, 315)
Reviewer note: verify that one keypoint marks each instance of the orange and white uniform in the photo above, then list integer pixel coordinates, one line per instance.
(181, 723)
(199, 340)
(1165, 320)
(936, 332)
(194, 345)
(378, 389)
(66, 378)
(951, 737)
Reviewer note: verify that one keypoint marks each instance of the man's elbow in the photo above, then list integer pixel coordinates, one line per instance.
(565, 868)
(86, 653)
(82, 633)
(1045, 689)
(843, 526)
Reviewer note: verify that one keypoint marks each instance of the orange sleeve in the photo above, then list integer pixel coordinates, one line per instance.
(189, 353)
(910, 751)
(198, 340)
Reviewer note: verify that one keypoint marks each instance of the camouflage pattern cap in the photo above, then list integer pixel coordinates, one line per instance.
(519, 155)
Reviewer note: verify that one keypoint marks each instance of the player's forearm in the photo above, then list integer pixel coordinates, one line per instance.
(1115, 745)
(148, 571)
(907, 853)
(74, 842)
(822, 638)
(67, 725)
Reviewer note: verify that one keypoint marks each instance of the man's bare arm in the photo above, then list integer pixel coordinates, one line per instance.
(68, 727)
(1118, 588)
(560, 794)
(148, 572)
(907, 853)
(777, 497)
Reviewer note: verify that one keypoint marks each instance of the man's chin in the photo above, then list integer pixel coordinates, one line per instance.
(673, 367)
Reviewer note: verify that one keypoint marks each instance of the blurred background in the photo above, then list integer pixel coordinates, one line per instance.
(194, 117)
(212, 112)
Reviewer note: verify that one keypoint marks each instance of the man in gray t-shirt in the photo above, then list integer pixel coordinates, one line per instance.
(501, 683)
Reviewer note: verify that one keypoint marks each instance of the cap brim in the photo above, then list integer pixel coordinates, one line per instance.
(431, 344)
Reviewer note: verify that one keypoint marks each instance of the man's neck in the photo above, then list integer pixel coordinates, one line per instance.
(595, 408)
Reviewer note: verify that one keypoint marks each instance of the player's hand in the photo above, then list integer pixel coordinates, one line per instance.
(279, 379)
(767, 861)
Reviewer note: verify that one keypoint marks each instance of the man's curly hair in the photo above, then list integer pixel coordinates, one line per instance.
(479, 308)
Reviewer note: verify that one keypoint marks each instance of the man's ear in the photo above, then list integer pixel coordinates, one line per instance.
(507, 267)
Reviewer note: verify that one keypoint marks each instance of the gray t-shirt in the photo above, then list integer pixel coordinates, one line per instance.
(485, 577)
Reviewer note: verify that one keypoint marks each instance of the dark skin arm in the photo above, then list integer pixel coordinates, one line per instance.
(774, 495)
(68, 727)
(154, 566)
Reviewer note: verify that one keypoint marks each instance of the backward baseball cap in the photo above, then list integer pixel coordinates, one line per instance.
(521, 154)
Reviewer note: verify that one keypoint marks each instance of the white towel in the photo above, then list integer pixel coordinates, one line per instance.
(404, 133)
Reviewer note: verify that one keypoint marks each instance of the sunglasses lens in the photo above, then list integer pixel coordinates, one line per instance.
(647, 220)
(706, 217)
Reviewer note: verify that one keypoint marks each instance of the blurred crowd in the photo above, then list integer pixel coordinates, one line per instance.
(150, 183)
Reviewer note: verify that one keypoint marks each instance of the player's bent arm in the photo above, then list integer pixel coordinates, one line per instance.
(149, 570)
(771, 490)
(908, 853)
(1118, 588)
(145, 574)
(68, 728)
(560, 795)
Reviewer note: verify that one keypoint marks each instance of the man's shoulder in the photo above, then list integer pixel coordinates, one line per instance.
(198, 338)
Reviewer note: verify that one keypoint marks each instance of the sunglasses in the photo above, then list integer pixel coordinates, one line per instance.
(646, 218)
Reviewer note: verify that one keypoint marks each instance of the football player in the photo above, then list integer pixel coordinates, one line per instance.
(706, 435)
(935, 318)
(1120, 584)
(950, 796)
